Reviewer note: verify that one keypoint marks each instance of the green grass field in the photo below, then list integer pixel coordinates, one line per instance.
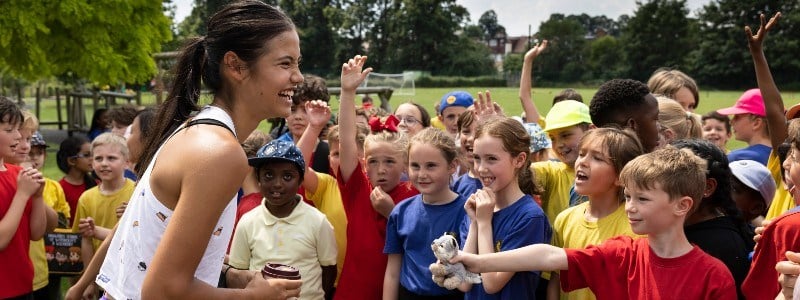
(428, 97)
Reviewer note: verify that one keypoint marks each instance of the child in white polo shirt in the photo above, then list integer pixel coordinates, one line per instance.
(284, 229)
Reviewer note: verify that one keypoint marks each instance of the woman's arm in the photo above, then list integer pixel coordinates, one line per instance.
(353, 74)
(91, 270)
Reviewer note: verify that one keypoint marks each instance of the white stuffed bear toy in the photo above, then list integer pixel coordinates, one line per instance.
(445, 274)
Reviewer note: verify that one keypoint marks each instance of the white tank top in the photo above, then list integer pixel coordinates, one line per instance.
(142, 226)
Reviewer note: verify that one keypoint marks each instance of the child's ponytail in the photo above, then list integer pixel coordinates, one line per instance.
(515, 141)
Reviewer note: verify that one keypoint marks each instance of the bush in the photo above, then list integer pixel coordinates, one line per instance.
(458, 81)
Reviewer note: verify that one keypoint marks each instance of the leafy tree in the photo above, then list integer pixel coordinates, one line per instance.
(317, 37)
(195, 23)
(604, 57)
(489, 26)
(423, 35)
(564, 60)
(721, 58)
(102, 41)
(657, 36)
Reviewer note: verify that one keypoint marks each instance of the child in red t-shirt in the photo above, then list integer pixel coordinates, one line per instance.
(74, 158)
(661, 189)
(22, 212)
(370, 192)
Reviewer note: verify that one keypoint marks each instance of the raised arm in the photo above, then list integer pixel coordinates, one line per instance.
(318, 115)
(773, 103)
(526, 82)
(91, 270)
(353, 74)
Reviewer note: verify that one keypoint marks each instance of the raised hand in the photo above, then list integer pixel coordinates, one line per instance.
(755, 41)
(353, 73)
(536, 50)
(319, 113)
(485, 107)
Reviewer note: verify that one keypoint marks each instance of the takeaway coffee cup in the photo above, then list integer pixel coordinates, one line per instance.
(280, 271)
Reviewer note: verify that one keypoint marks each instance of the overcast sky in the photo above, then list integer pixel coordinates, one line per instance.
(516, 15)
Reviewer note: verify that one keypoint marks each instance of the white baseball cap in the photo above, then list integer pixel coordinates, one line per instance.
(755, 176)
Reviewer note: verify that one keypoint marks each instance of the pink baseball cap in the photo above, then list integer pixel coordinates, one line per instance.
(750, 102)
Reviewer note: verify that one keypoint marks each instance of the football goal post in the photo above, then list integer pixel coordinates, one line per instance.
(402, 84)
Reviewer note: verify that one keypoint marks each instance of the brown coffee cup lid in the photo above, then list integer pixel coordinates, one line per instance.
(280, 271)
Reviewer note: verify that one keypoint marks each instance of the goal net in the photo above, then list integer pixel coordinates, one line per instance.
(402, 84)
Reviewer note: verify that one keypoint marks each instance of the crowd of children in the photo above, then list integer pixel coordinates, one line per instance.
(632, 195)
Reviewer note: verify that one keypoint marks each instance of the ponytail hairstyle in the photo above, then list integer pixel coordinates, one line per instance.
(69, 149)
(683, 123)
(718, 170)
(242, 27)
(515, 140)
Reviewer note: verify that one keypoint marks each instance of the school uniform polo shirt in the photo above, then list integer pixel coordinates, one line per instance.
(304, 240)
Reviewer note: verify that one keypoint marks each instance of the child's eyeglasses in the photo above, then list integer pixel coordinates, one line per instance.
(82, 155)
(408, 119)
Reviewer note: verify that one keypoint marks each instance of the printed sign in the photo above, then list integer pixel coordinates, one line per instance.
(63, 252)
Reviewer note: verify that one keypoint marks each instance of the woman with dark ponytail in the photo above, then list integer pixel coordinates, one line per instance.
(172, 238)
(717, 225)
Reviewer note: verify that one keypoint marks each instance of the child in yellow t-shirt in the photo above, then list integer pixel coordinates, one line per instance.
(602, 154)
(97, 206)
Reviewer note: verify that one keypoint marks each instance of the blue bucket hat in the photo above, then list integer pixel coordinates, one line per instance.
(277, 150)
(539, 139)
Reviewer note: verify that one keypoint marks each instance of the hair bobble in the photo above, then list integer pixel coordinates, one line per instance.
(390, 124)
(688, 115)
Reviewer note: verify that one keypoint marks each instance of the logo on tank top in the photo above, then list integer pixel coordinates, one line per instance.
(498, 245)
(161, 216)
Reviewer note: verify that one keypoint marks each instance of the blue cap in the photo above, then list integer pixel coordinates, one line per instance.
(456, 98)
(277, 150)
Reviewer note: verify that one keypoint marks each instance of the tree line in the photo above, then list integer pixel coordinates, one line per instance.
(76, 38)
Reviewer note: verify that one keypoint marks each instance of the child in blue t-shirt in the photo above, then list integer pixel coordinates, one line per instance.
(501, 216)
(417, 221)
